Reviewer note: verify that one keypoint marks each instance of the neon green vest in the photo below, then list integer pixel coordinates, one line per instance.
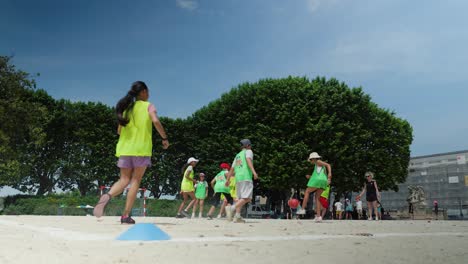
(326, 192)
(136, 137)
(200, 191)
(220, 186)
(187, 184)
(241, 168)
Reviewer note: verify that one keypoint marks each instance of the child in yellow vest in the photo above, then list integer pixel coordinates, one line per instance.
(136, 118)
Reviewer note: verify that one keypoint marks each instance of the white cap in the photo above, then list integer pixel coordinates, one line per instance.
(192, 159)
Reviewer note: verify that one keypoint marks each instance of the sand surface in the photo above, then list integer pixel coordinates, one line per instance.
(72, 239)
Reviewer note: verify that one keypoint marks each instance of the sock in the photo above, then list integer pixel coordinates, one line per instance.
(237, 215)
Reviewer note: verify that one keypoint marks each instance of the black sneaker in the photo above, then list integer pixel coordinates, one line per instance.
(185, 213)
(127, 220)
(179, 216)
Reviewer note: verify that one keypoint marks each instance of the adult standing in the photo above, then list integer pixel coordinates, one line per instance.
(245, 173)
(136, 117)
(372, 194)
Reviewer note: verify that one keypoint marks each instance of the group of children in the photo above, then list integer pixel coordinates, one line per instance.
(372, 196)
(136, 117)
(233, 186)
(224, 192)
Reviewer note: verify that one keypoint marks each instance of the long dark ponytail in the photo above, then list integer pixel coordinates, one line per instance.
(127, 102)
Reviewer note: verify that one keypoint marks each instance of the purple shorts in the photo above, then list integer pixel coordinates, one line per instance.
(130, 162)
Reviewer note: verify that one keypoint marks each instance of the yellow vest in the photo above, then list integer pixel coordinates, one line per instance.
(136, 137)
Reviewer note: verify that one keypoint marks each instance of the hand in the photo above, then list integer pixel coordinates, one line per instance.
(165, 144)
(329, 181)
(227, 183)
(308, 176)
(255, 176)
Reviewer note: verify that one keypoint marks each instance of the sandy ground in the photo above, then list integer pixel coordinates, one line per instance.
(71, 239)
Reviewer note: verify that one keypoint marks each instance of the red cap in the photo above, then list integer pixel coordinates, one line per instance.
(225, 166)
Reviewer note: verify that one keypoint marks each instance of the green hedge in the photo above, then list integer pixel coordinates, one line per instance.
(66, 205)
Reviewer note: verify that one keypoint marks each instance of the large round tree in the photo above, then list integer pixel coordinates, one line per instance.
(286, 119)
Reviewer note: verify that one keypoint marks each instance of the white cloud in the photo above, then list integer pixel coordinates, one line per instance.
(190, 5)
(312, 5)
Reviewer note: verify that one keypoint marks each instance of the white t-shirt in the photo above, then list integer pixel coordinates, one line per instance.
(339, 206)
(189, 168)
(359, 205)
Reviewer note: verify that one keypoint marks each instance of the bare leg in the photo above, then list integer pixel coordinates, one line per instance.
(122, 183)
(306, 197)
(185, 196)
(241, 203)
(192, 196)
(202, 202)
(223, 208)
(376, 211)
(132, 193)
(318, 205)
(195, 205)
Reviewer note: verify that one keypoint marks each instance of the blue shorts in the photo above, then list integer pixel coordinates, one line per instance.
(130, 162)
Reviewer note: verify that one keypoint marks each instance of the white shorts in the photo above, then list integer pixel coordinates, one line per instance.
(244, 189)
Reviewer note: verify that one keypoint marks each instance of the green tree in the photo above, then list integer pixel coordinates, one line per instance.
(288, 118)
(90, 146)
(21, 119)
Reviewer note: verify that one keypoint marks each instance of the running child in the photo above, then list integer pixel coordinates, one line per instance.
(244, 171)
(220, 186)
(187, 187)
(136, 117)
(318, 182)
(372, 194)
(201, 192)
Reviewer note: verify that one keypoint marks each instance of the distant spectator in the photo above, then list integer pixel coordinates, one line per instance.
(436, 209)
(349, 209)
(359, 208)
(339, 209)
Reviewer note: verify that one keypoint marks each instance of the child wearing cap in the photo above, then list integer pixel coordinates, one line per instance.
(318, 182)
(244, 171)
(201, 191)
(187, 187)
(220, 187)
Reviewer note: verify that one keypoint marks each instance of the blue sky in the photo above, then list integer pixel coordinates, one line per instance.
(409, 56)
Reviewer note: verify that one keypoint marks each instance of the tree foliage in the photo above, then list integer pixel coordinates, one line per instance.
(47, 143)
(288, 118)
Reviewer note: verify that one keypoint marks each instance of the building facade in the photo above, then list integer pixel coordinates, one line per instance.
(444, 178)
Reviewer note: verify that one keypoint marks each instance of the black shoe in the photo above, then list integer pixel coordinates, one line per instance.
(209, 217)
(127, 220)
(179, 216)
(185, 213)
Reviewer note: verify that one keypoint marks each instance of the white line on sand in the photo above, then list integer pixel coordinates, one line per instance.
(75, 235)
(57, 232)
